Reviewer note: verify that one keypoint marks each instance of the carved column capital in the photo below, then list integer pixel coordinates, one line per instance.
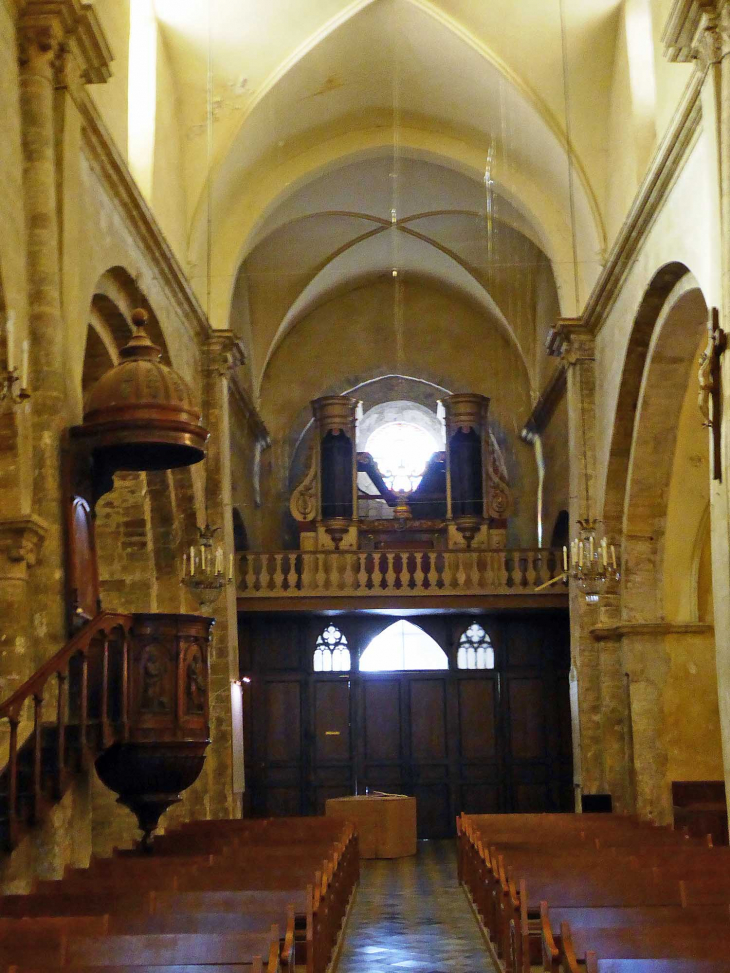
(21, 540)
(50, 30)
(699, 31)
(571, 341)
(224, 353)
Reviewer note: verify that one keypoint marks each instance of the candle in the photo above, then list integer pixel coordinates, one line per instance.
(9, 335)
(613, 557)
(590, 547)
(565, 560)
(192, 560)
(185, 563)
(230, 568)
(219, 561)
(604, 552)
(202, 558)
(580, 554)
(24, 370)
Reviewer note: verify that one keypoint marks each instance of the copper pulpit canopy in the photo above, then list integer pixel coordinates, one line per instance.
(140, 414)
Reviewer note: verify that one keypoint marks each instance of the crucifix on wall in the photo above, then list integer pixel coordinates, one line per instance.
(710, 394)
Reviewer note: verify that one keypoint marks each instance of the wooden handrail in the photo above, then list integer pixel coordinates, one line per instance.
(34, 686)
(34, 774)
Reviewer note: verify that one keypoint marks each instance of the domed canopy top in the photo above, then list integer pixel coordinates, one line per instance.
(140, 414)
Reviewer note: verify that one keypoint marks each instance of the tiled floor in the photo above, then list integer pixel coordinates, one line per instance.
(410, 915)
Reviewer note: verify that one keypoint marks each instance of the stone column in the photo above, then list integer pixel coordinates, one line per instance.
(21, 540)
(698, 31)
(617, 763)
(574, 344)
(41, 37)
(223, 355)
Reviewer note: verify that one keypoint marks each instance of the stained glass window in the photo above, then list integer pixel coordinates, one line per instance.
(331, 653)
(475, 649)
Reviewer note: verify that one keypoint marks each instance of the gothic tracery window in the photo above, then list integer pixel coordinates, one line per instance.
(475, 649)
(331, 653)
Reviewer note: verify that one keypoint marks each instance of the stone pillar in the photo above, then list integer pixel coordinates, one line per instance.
(575, 345)
(617, 764)
(21, 540)
(698, 31)
(41, 38)
(223, 355)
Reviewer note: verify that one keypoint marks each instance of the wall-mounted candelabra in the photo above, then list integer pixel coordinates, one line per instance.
(14, 383)
(205, 571)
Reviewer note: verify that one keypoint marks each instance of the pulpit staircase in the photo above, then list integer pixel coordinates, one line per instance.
(128, 694)
(58, 722)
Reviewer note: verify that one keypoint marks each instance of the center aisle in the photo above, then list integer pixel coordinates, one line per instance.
(411, 914)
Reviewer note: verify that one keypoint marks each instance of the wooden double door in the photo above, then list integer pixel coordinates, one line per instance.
(478, 741)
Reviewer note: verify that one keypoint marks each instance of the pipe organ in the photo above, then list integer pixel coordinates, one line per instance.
(462, 500)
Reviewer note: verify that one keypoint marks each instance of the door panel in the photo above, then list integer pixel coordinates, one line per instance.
(382, 712)
(331, 722)
(428, 719)
(527, 719)
(479, 741)
(477, 723)
(331, 772)
(283, 722)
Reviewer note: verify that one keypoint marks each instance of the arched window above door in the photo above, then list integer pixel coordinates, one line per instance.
(331, 653)
(400, 647)
(475, 649)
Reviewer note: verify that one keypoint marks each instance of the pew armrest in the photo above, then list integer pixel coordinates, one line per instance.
(570, 960)
(287, 949)
(550, 953)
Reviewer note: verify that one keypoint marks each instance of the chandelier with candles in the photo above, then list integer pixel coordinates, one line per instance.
(205, 571)
(591, 561)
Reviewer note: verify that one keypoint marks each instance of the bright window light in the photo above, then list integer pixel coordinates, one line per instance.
(401, 450)
(403, 646)
(142, 93)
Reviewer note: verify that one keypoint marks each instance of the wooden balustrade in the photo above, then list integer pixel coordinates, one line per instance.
(88, 715)
(375, 573)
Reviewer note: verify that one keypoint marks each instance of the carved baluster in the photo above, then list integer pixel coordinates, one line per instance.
(104, 711)
(388, 571)
(246, 575)
(83, 709)
(522, 563)
(278, 573)
(410, 566)
(61, 730)
(350, 571)
(419, 573)
(320, 580)
(439, 566)
(37, 754)
(13, 783)
(125, 687)
(362, 571)
(536, 577)
(509, 565)
(481, 570)
(307, 568)
(398, 562)
(257, 570)
(458, 579)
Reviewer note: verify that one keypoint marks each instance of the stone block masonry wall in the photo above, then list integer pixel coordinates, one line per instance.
(125, 546)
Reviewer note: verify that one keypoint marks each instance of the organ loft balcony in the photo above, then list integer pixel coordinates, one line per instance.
(379, 528)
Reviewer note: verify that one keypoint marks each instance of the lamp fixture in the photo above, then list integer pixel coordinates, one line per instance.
(14, 384)
(204, 569)
(591, 562)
